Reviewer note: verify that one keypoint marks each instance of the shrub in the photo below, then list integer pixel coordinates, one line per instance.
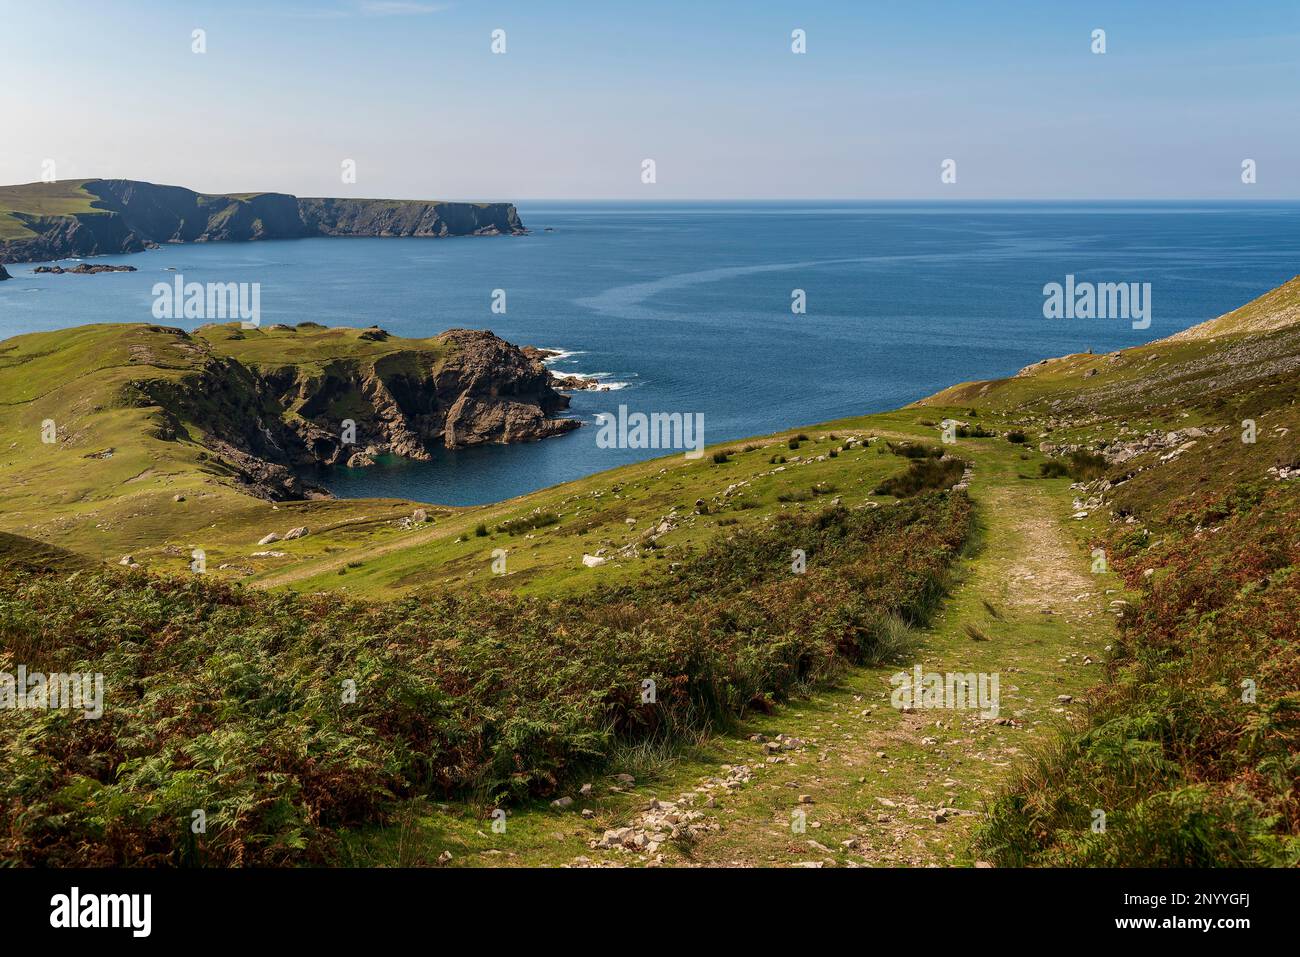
(1080, 466)
(923, 475)
(1087, 466)
(527, 523)
(915, 450)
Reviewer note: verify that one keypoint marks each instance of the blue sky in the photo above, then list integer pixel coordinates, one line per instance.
(711, 91)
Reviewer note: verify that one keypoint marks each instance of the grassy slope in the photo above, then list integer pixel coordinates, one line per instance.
(228, 699)
(75, 494)
(65, 198)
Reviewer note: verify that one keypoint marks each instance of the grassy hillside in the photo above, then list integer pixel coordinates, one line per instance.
(109, 484)
(236, 702)
(18, 204)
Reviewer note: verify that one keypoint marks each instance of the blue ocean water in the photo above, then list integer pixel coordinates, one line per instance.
(686, 308)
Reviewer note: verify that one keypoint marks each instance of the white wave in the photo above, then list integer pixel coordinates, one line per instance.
(559, 354)
(597, 377)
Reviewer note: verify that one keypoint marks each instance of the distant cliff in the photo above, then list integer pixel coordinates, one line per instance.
(44, 221)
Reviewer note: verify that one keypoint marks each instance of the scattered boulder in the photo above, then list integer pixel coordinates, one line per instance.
(300, 532)
(270, 539)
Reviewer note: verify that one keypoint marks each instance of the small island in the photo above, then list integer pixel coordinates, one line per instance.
(85, 269)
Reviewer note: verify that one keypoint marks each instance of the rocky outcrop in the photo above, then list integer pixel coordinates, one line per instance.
(130, 216)
(501, 395)
(4, 275)
(85, 269)
(573, 382)
(272, 426)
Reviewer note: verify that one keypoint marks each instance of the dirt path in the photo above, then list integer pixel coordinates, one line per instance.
(846, 779)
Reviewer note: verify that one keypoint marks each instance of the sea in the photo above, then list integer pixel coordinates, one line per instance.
(757, 316)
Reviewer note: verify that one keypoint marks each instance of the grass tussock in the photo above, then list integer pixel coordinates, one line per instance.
(1080, 466)
(923, 475)
(528, 523)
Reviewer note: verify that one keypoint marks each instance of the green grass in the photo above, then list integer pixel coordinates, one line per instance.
(41, 201)
(107, 487)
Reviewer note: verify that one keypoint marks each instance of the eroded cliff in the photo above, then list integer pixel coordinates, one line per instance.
(272, 407)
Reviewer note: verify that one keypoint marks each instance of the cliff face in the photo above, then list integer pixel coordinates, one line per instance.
(269, 422)
(128, 216)
(378, 217)
(60, 237)
(171, 214)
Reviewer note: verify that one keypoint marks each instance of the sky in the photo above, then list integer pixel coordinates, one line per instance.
(710, 90)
